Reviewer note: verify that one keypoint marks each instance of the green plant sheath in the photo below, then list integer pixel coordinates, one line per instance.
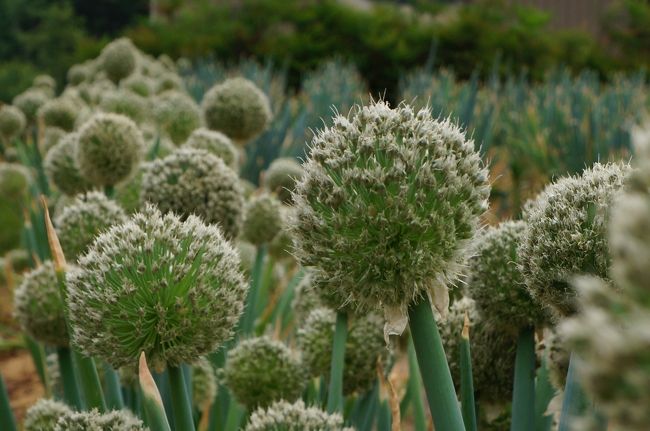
(335, 392)
(183, 419)
(415, 387)
(71, 393)
(7, 420)
(574, 402)
(91, 388)
(523, 394)
(467, 403)
(434, 369)
(114, 399)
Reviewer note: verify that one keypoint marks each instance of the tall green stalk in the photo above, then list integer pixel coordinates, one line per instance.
(434, 369)
(544, 392)
(71, 393)
(523, 394)
(89, 384)
(415, 387)
(7, 420)
(335, 392)
(574, 402)
(248, 319)
(114, 399)
(467, 403)
(181, 405)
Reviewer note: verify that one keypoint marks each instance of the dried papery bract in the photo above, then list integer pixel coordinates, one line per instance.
(157, 284)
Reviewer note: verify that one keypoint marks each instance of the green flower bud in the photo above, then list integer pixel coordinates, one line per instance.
(387, 205)
(61, 112)
(14, 188)
(45, 83)
(237, 108)
(12, 122)
(78, 73)
(192, 181)
(80, 222)
(61, 168)
(204, 383)
(126, 103)
(281, 177)
(110, 148)
(177, 115)
(157, 284)
(284, 416)
(138, 84)
(216, 143)
(169, 82)
(260, 371)
(118, 59)
(38, 306)
(566, 234)
(44, 415)
(30, 101)
(262, 219)
(281, 246)
(495, 281)
(365, 345)
(247, 252)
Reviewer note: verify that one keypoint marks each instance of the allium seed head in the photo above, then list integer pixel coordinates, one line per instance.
(306, 298)
(262, 219)
(45, 83)
(237, 108)
(51, 137)
(116, 420)
(192, 181)
(260, 371)
(39, 308)
(281, 246)
(81, 221)
(285, 416)
(12, 122)
(138, 84)
(30, 101)
(61, 168)
(281, 177)
(118, 59)
(44, 415)
(204, 383)
(127, 103)
(157, 284)
(566, 234)
(61, 112)
(78, 73)
(216, 143)
(177, 115)
(110, 148)
(389, 200)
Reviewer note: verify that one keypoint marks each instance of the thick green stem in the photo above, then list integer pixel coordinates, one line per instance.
(467, 403)
(523, 394)
(335, 392)
(7, 420)
(544, 392)
(71, 393)
(574, 403)
(114, 399)
(415, 387)
(434, 369)
(91, 388)
(248, 318)
(181, 405)
(38, 356)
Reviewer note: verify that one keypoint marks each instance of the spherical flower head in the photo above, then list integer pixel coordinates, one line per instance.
(306, 298)
(12, 122)
(237, 108)
(51, 137)
(15, 180)
(39, 308)
(110, 148)
(61, 167)
(216, 143)
(389, 200)
(44, 415)
(204, 383)
(45, 83)
(127, 103)
(364, 346)
(262, 219)
(281, 246)
(118, 59)
(260, 371)
(177, 115)
(281, 177)
(192, 181)
(78, 73)
(30, 101)
(157, 284)
(567, 234)
(168, 81)
(493, 352)
(80, 222)
(60, 112)
(286, 416)
(247, 252)
(495, 281)
(138, 84)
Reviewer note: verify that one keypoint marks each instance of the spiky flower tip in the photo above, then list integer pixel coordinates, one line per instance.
(30, 101)
(204, 383)
(110, 148)
(39, 308)
(365, 346)
(157, 284)
(237, 108)
(61, 168)
(260, 371)
(60, 112)
(566, 234)
(281, 177)
(216, 143)
(285, 416)
(118, 59)
(12, 122)
(495, 281)
(138, 84)
(81, 221)
(127, 103)
(44, 415)
(262, 219)
(116, 420)
(177, 115)
(493, 352)
(388, 203)
(190, 181)
(281, 246)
